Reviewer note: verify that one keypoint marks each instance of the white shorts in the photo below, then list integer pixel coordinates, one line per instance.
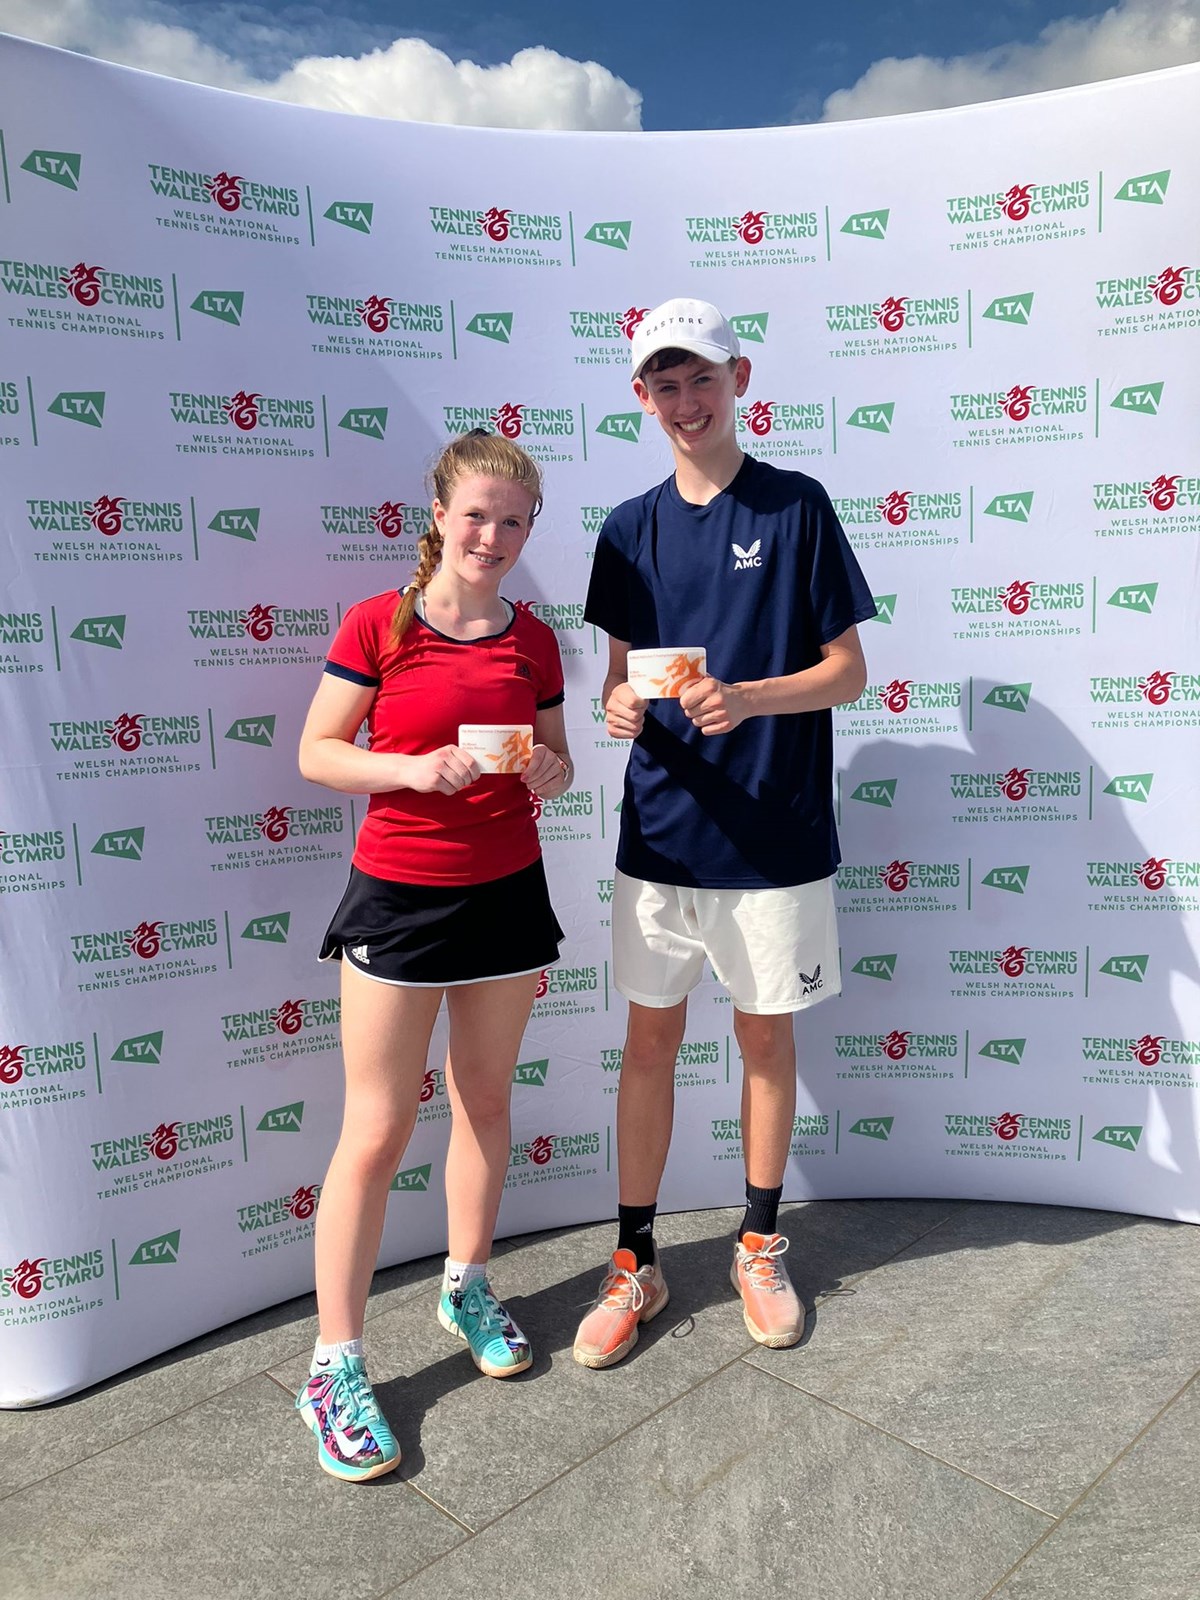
(775, 950)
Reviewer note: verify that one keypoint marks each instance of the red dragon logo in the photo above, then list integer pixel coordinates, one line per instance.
(895, 1045)
(259, 622)
(106, 515)
(1007, 1125)
(274, 823)
(376, 312)
(897, 695)
(1017, 404)
(895, 509)
(543, 985)
(429, 1086)
(758, 417)
(1012, 961)
(1017, 203)
(751, 227)
(629, 319)
(540, 1151)
(1163, 492)
(1157, 688)
(1168, 287)
(242, 410)
(890, 313)
(1014, 785)
(303, 1203)
(290, 1016)
(1152, 874)
(28, 1277)
(508, 420)
(145, 941)
(12, 1061)
(126, 731)
(388, 518)
(895, 876)
(83, 284)
(163, 1143)
(495, 224)
(535, 805)
(225, 191)
(1015, 599)
(1147, 1051)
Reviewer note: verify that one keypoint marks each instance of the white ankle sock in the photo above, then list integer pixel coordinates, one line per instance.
(326, 1354)
(458, 1274)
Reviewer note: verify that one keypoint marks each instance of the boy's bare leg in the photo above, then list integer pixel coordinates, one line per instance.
(773, 1313)
(646, 1099)
(768, 1048)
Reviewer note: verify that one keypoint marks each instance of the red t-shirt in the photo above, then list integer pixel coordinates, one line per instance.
(426, 686)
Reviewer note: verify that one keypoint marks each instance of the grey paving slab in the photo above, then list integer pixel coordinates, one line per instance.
(551, 1417)
(1135, 1536)
(745, 1486)
(547, 1419)
(1025, 1344)
(217, 1502)
(125, 1405)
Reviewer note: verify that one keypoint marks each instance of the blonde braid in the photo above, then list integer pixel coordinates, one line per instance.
(429, 555)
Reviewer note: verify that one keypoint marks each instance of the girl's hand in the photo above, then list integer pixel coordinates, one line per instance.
(443, 771)
(547, 774)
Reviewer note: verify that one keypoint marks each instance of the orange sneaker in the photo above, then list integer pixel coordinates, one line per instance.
(629, 1294)
(772, 1309)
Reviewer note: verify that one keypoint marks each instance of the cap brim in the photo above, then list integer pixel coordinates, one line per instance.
(715, 353)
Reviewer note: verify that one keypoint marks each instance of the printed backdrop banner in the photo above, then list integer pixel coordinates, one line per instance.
(235, 334)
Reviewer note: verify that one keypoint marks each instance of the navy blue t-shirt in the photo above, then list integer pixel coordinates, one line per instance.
(762, 576)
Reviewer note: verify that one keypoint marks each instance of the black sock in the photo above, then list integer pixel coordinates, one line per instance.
(762, 1210)
(635, 1231)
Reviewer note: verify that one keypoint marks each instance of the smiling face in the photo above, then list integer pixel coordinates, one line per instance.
(484, 528)
(694, 403)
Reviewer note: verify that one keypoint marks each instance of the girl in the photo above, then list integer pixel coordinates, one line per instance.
(447, 896)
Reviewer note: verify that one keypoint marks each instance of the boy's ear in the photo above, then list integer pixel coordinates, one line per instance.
(643, 394)
(741, 376)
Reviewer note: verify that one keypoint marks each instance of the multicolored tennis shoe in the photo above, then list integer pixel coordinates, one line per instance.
(498, 1347)
(354, 1441)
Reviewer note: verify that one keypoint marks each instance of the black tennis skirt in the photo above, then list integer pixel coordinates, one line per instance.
(432, 936)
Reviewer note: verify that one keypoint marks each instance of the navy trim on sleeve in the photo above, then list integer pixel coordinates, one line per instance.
(548, 705)
(336, 670)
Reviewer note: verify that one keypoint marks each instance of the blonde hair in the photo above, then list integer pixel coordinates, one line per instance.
(475, 454)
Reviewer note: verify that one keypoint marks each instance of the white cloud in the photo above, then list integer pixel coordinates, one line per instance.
(1133, 36)
(409, 80)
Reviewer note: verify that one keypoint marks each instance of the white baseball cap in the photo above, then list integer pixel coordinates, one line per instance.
(691, 325)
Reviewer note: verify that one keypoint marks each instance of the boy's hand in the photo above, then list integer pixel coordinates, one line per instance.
(712, 706)
(625, 713)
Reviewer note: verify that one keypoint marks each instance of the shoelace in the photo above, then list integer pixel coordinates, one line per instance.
(492, 1316)
(622, 1291)
(762, 1266)
(347, 1395)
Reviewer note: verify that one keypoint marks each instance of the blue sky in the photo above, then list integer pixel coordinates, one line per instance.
(656, 67)
(776, 67)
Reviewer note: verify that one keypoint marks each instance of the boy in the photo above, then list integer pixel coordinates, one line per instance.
(728, 846)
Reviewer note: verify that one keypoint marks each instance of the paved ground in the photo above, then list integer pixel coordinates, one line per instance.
(990, 1400)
